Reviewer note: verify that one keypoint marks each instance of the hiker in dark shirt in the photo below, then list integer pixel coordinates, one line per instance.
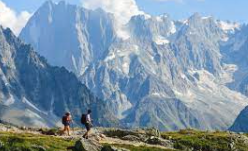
(87, 121)
(66, 121)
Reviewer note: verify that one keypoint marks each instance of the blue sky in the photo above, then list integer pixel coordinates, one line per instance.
(234, 10)
(15, 13)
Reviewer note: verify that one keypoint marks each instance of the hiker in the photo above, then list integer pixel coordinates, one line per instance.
(87, 121)
(66, 121)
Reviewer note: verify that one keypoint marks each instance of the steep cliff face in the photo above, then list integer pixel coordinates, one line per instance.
(235, 52)
(240, 124)
(164, 70)
(33, 93)
(62, 32)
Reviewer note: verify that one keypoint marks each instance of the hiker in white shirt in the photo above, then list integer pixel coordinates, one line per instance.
(88, 119)
(88, 124)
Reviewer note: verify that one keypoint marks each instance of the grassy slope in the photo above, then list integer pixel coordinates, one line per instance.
(205, 141)
(31, 142)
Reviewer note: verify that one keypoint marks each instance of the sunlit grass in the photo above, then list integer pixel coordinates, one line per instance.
(26, 142)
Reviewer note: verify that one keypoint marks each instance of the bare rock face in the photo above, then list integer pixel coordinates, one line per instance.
(153, 132)
(240, 124)
(36, 94)
(166, 74)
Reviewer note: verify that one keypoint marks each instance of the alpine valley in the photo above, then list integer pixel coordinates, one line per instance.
(151, 72)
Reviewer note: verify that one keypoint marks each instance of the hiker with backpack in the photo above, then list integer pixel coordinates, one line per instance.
(66, 121)
(87, 122)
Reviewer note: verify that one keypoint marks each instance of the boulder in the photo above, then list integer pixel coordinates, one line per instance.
(97, 136)
(3, 128)
(102, 136)
(153, 132)
(131, 138)
(50, 131)
(159, 141)
(87, 145)
(8, 127)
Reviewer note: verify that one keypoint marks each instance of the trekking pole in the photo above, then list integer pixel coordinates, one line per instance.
(72, 127)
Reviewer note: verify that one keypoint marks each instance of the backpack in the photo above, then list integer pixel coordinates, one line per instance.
(64, 120)
(83, 119)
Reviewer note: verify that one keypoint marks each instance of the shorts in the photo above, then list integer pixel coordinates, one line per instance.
(67, 124)
(88, 126)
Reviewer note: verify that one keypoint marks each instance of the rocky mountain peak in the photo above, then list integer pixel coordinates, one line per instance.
(195, 17)
(36, 94)
(175, 68)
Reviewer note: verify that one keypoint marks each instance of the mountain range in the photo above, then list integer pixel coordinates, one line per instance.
(35, 94)
(158, 73)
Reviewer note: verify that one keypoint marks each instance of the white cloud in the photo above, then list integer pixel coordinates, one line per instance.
(123, 10)
(9, 18)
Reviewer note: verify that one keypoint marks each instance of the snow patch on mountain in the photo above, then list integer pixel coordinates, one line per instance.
(229, 27)
(173, 28)
(8, 100)
(161, 40)
(25, 101)
(159, 19)
(206, 17)
(147, 16)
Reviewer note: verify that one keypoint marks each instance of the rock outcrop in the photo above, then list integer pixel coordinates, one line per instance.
(87, 145)
(159, 141)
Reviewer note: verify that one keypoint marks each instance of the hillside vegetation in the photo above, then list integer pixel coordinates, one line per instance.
(135, 140)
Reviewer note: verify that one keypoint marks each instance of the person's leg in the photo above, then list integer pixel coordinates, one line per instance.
(68, 130)
(64, 130)
(88, 131)
(86, 135)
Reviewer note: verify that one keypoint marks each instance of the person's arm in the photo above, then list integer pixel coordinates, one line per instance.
(70, 119)
(88, 119)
